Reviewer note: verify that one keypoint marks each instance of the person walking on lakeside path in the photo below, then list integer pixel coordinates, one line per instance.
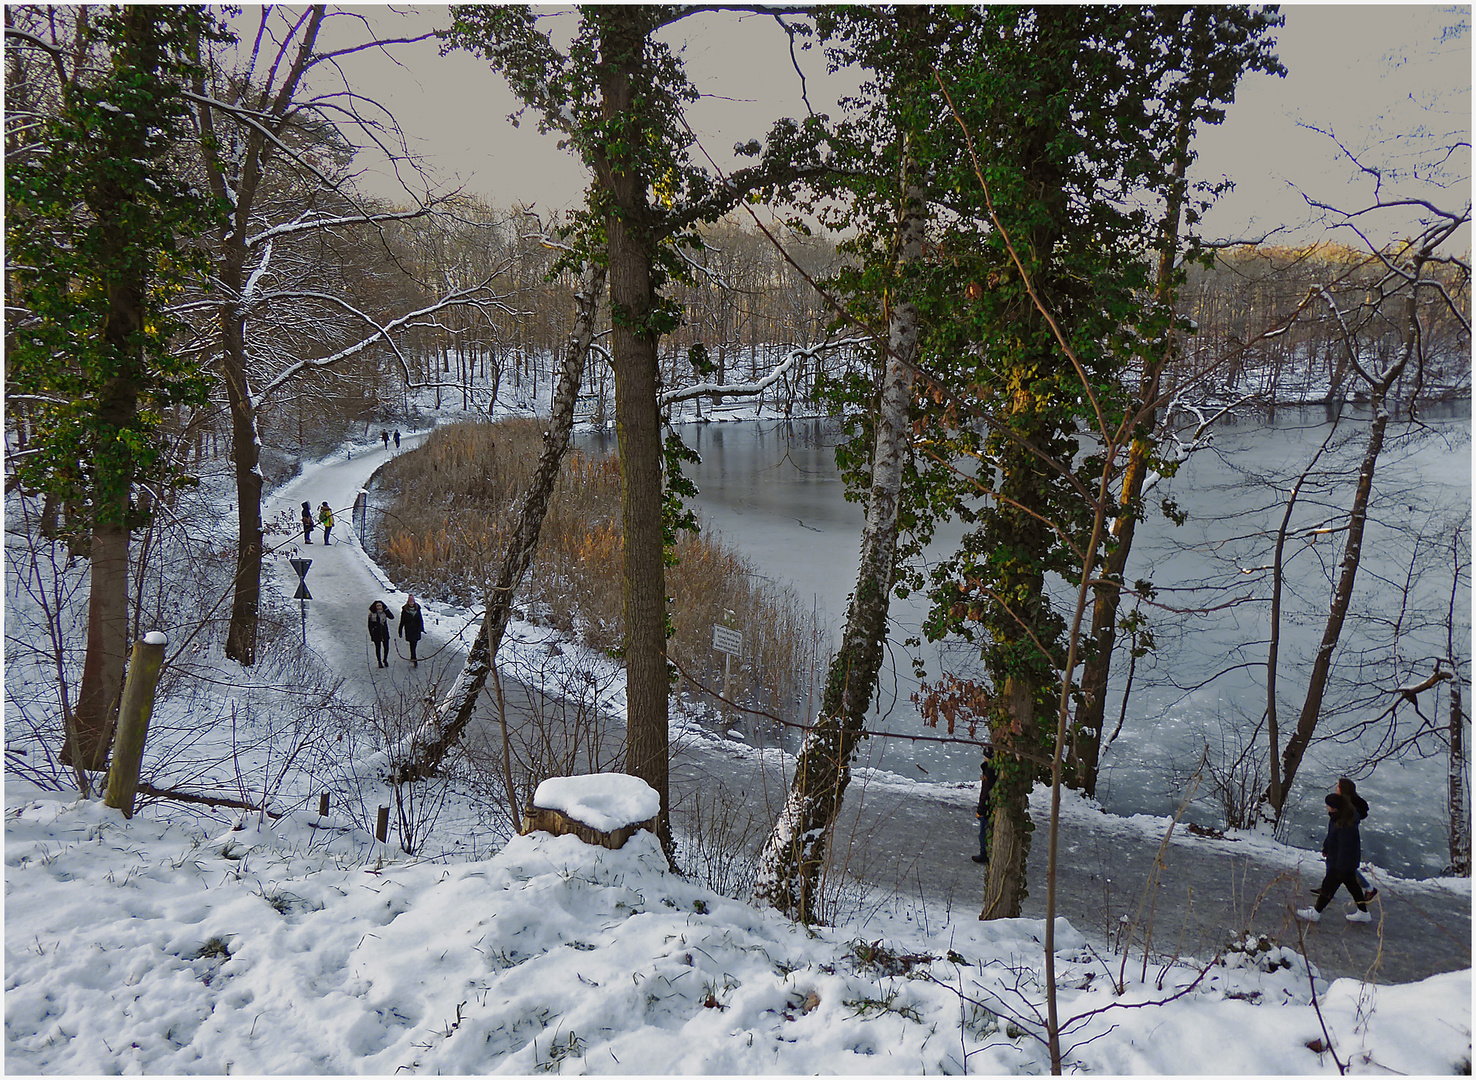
(412, 626)
(1349, 791)
(985, 812)
(397, 438)
(379, 627)
(325, 518)
(307, 523)
(1341, 849)
(384, 434)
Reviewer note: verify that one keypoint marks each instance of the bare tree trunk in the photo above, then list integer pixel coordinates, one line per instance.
(790, 865)
(241, 192)
(1275, 795)
(240, 643)
(1311, 712)
(455, 710)
(1460, 808)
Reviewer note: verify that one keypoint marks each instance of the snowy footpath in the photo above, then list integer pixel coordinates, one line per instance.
(913, 839)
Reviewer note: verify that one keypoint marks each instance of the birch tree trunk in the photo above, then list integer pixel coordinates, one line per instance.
(455, 710)
(790, 865)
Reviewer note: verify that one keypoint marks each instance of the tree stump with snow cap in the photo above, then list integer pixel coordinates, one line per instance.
(602, 809)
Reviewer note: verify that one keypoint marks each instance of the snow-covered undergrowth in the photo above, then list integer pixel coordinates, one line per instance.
(176, 944)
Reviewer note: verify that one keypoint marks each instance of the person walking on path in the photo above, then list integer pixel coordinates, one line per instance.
(383, 434)
(379, 626)
(985, 813)
(397, 438)
(325, 518)
(1349, 790)
(307, 523)
(1341, 849)
(412, 626)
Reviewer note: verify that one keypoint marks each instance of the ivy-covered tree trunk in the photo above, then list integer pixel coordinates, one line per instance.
(138, 56)
(794, 855)
(1019, 619)
(1107, 599)
(1207, 50)
(455, 710)
(97, 231)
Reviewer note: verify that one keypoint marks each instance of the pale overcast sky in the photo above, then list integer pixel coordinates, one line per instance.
(1375, 75)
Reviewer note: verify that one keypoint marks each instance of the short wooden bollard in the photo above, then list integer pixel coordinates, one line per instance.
(323, 805)
(381, 826)
(133, 721)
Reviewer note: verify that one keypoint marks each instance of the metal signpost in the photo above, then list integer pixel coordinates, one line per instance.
(301, 566)
(729, 642)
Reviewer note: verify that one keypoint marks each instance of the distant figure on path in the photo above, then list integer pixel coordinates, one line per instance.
(987, 777)
(307, 523)
(412, 626)
(1341, 850)
(397, 438)
(325, 518)
(385, 436)
(1349, 790)
(379, 624)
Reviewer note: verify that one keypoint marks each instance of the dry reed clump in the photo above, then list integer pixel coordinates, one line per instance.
(455, 504)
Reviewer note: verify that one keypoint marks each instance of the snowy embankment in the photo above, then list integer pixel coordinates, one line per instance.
(176, 945)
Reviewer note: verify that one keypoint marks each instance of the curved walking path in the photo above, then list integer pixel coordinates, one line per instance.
(915, 840)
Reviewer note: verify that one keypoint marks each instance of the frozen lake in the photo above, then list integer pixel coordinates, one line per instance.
(772, 489)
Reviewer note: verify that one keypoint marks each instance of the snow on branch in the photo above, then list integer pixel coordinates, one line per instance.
(305, 224)
(753, 389)
(459, 298)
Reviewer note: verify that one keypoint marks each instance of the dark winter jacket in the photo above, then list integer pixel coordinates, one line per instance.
(379, 624)
(1359, 804)
(988, 777)
(412, 626)
(1342, 849)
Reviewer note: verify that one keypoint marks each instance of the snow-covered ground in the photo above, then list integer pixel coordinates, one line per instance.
(192, 939)
(173, 944)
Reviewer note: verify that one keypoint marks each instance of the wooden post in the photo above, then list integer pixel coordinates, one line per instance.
(323, 805)
(381, 827)
(133, 721)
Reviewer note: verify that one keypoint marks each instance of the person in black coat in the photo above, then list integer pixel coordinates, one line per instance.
(1342, 851)
(412, 626)
(307, 523)
(379, 624)
(1349, 791)
(985, 813)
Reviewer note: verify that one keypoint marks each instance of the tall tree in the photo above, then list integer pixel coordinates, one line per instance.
(272, 152)
(1206, 51)
(100, 237)
(617, 96)
(1396, 298)
(455, 711)
(888, 206)
(1069, 142)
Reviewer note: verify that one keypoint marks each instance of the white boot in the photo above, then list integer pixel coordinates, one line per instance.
(1360, 916)
(1309, 914)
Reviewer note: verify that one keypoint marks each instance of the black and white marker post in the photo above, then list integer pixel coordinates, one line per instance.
(301, 566)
